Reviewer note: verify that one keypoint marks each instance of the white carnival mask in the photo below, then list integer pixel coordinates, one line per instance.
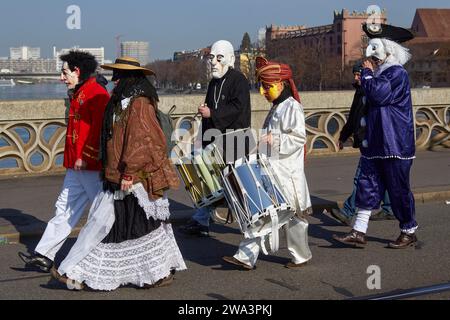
(387, 51)
(221, 58)
(376, 49)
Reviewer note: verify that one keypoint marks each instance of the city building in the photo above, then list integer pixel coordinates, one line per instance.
(136, 49)
(192, 54)
(343, 39)
(25, 53)
(29, 66)
(246, 63)
(430, 64)
(98, 53)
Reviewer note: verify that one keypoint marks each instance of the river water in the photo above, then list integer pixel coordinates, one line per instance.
(37, 91)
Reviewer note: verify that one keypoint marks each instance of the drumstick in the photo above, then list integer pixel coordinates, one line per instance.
(199, 114)
(256, 148)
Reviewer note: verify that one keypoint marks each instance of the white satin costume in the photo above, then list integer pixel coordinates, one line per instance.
(286, 122)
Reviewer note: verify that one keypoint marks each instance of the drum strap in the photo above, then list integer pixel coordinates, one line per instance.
(274, 239)
(262, 245)
(274, 236)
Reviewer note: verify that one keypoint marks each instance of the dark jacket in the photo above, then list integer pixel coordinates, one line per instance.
(233, 110)
(353, 126)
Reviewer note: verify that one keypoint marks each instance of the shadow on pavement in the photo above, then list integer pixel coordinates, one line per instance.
(206, 251)
(22, 222)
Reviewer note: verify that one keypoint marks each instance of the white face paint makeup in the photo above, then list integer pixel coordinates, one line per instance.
(221, 58)
(70, 78)
(376, 49)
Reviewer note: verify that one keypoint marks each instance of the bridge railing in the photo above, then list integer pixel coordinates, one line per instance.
(32, 133)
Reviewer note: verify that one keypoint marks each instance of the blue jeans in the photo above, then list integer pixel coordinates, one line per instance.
(203, 215)
(349, 209)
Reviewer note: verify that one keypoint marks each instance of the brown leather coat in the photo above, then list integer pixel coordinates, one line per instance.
(138, 149)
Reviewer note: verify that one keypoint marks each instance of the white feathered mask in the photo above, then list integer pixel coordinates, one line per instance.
(388, 51)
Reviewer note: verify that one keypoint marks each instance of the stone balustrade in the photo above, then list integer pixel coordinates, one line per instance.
(32, 133)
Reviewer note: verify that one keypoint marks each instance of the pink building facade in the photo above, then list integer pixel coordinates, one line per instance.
(343, 39)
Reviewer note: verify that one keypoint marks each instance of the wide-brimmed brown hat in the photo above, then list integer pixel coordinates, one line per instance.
(127, 63)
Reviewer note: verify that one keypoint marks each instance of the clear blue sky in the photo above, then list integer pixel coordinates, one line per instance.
(172, 25)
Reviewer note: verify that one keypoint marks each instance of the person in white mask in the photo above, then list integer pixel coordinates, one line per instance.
(226, 107)
(388, 150)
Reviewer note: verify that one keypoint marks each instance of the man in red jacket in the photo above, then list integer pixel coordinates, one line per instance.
(88, 100)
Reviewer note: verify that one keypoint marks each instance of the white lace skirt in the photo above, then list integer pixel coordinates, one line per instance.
(138, 262)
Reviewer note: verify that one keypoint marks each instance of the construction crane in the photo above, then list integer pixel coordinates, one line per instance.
(118, 37)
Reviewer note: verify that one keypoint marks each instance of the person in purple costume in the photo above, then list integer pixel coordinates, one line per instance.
(388, 149)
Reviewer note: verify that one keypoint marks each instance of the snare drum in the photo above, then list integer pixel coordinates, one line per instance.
(201, 174)
(256, 198)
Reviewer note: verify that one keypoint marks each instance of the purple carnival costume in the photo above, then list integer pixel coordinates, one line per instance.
(389, 146)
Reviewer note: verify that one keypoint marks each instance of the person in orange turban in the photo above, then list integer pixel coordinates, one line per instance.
(273, 75)
(287, 138)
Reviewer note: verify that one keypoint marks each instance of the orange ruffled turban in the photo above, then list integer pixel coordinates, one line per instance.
(270, 72)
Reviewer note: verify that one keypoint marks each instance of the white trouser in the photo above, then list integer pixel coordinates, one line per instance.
(79, 188)
(297, 244)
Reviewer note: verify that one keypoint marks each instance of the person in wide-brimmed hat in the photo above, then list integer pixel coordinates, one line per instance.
(128, 238)
(127, 64)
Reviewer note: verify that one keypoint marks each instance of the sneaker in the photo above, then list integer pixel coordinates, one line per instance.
(338, 215)
(193, 228)
(37, 261)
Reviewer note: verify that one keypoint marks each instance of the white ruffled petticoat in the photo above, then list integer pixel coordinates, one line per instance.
(138, 262)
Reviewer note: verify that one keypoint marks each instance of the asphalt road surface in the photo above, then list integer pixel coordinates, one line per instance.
(335, 272)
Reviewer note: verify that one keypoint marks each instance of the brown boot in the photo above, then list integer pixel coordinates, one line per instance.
(354, 238)
(404, 241)
(295, 266)
(236, 262)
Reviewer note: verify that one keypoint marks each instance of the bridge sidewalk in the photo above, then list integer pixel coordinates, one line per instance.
(27, 204)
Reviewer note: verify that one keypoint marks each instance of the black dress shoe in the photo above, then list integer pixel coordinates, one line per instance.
(38, 261)
(193, 228)
(354, 238)
(404, 241)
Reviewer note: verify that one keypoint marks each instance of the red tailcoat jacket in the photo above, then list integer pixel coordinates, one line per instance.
(85, 124)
